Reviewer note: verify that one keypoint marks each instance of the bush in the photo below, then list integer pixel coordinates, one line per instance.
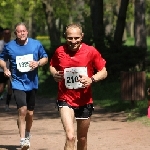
(127, 58)
(42, 37)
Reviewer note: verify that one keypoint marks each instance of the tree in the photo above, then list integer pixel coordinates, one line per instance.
(53, 32)
(120, 24)
(130, 19)
(15, 11)
(139, 24)
(140, 28)
(97, 23)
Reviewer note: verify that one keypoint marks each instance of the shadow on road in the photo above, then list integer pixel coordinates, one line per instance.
(9, 147)
(46, 109)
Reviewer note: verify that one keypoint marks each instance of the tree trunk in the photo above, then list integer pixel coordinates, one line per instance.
(140, 28)
(132, 29)
(53, 32)
(79, 8)
(108, 21)
(120, 24)
(139, 24)
(30, 19)
(97, 23)
(30, 26)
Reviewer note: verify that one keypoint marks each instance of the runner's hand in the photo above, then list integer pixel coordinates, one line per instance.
(33, 64)
(58, 76)
(148, 91)
(86, 81)
(7, 73)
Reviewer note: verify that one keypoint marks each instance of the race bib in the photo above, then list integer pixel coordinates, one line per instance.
(23, 62)
(71, 76)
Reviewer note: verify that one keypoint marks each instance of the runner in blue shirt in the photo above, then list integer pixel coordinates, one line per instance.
(25, 56)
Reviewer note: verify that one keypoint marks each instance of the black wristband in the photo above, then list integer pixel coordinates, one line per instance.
(93, 80)
(38, 63)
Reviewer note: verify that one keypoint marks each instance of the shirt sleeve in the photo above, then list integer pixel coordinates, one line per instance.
(98, 61)
(42, 52)
(54, 60)
(4, 53)
(1, 46)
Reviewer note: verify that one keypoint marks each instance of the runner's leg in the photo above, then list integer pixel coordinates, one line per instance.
(30, 106)
(20, 98)
(82, 130)
(21, 120)
(29, 120)
(2, 86)
(9, 93)
(67, 118)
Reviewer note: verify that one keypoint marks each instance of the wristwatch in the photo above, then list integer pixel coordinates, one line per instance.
(93, 80)
(38, 63)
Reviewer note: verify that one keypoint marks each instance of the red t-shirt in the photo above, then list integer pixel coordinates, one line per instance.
(86, 56)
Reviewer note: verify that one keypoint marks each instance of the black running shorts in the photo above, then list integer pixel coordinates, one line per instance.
(81, 112)
(25, 98)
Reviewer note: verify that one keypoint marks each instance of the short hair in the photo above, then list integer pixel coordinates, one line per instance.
(74, 25)
(20, 23)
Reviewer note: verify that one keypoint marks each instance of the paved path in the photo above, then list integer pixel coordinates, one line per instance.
(108, 131)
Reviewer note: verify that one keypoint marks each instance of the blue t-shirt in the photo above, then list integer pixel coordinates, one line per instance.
(19, 56)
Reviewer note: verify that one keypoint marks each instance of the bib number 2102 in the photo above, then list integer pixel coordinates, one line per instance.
(72, 79)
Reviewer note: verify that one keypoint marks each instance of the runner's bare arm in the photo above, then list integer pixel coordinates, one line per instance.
(52, 70)
(3, 64)
(100, 75)
(4, 67)
(41, 62)
(58, 75)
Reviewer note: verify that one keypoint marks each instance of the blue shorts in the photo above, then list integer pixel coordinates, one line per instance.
(81, 112)
(25, 98)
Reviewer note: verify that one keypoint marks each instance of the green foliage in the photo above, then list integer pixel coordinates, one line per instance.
(147, 16)
(42, 38)
(62, 10)
(130, 12)
(45, 41)
(65, 11)
(47, 85)
(13, 12)
(107, 94)
(5, 14)
(87, 26)
(129, 41)
(127, 58)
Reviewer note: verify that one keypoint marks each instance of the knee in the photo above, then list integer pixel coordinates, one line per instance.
(30, 113)
(71, 138)
(82, 139)
(29, 116)
(22, 111)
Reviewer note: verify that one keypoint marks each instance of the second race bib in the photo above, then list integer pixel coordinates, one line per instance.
(23, 62)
